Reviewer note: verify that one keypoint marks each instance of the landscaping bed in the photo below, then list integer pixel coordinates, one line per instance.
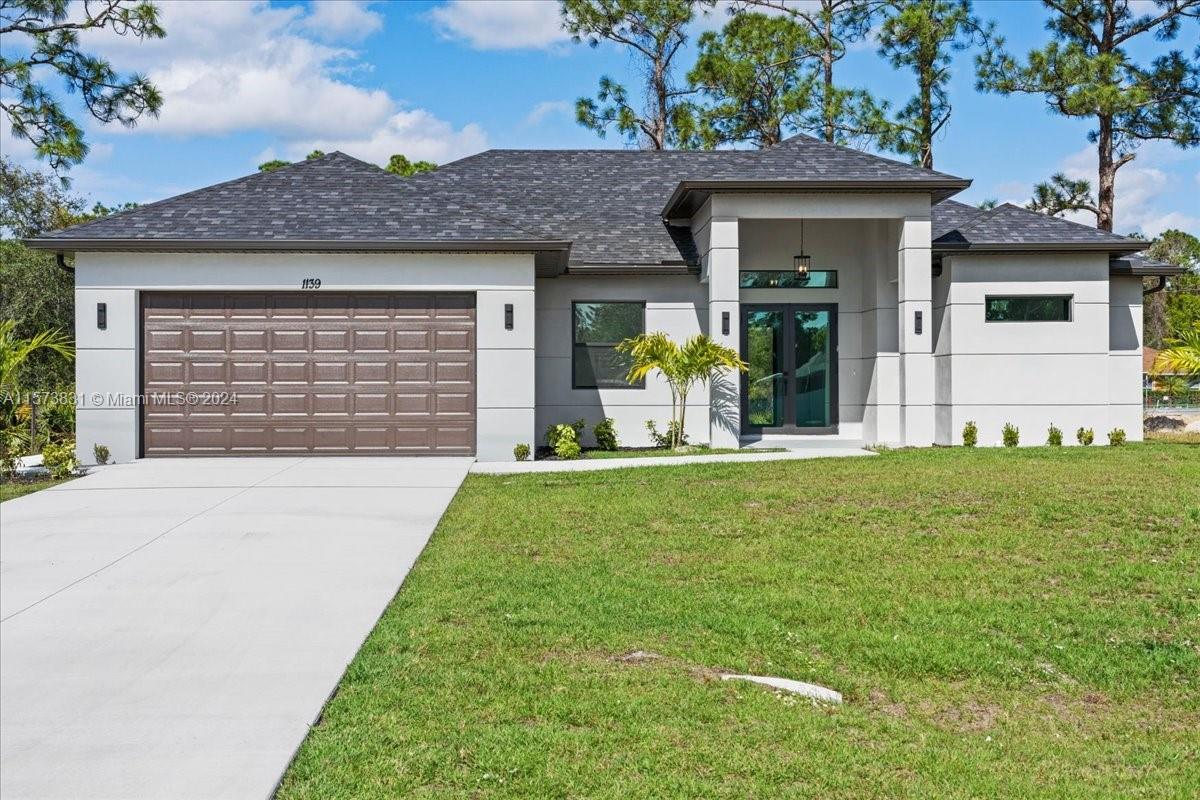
(547, 454)
(1001, 623)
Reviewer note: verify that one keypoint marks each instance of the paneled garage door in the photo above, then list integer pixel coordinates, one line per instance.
(295, 373)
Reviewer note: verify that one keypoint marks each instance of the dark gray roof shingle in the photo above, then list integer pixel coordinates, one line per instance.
(607, 204)
(956, 225)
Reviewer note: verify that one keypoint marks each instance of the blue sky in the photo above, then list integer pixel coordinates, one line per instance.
(248, 81)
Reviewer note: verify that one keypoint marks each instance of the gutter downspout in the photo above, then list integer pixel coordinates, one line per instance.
(61, 260)
(1162, 284)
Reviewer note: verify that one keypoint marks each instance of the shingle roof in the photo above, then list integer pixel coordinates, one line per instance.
(959, 226)
(606, 206)
(333, 198)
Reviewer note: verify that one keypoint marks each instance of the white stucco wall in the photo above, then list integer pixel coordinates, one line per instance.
(677, 306)
(107, 361)
(1034, 374)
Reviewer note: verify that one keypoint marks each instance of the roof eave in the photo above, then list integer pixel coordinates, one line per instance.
(986, 248)
(939, 190)
(1121, 266)
(72, 245)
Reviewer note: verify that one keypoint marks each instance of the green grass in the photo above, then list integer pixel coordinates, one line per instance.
(663, 451)
(1003, 623)
(10, 490)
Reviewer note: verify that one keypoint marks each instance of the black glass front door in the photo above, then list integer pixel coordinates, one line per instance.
(791, 386)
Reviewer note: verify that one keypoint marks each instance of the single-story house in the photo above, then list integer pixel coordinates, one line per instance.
(331, 307)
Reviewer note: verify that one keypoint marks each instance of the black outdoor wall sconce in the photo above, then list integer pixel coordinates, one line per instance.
(919, 327)
(724, 323)
(102, 316)
(508, 316)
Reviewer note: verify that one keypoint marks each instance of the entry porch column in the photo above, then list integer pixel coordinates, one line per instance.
(915, 295)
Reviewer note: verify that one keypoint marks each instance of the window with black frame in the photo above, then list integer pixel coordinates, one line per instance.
(1027, 308)
(597, 329)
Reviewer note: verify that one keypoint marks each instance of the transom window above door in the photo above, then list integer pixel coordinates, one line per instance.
(788, 279)
(597, 328)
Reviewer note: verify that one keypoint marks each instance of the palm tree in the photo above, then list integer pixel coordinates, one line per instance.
(697, 362)
(15, 352)
(1182, 357)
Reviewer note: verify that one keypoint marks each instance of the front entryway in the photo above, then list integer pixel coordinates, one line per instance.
(791, 386)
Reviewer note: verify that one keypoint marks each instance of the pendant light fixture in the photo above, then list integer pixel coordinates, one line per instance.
(802, 262)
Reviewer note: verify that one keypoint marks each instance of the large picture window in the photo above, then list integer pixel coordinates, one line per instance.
(1028, 308)
(597, 330)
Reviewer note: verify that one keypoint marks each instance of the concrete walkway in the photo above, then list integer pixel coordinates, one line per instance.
(589, 465)
(171, 628)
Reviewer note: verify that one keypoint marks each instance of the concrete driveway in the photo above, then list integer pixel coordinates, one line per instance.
(171, 628)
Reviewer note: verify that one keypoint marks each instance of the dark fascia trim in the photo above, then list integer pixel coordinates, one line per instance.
(1121, 266)
(69, 245)
(939, 189)
(1115, 248)
(633, 269)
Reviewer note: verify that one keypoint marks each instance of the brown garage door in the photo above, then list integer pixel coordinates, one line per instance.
(287, 373)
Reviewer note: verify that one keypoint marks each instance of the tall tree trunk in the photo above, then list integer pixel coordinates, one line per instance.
(658, 139)
(1107, 176)
(827, 65)
(926, 132)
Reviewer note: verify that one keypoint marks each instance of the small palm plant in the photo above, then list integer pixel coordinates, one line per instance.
(15, 352)
(695, 363)
(1182, 357)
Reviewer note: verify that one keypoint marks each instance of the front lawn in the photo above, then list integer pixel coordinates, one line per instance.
(11, 489)
(1002, 623)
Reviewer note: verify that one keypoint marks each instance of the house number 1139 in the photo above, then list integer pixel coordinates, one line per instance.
(310, 283)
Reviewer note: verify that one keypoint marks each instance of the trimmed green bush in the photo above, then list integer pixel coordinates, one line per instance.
(1116, 437)
(606, 434)
(1085, 436)
(554, 431)
(667, 438)
(1011, 435)
(101, 453)
(566, 442)
(970, 434)
(521, 452)
(1054, 437)
(60, 459)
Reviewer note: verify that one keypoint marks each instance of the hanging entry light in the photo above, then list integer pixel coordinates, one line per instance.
(802, 262)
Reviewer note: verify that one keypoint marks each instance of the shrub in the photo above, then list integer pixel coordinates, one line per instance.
(1054, 437)
(606, 434)
(1085, 436)
(554, 431)
(667, 439)
(101, 453)
(521, 452)
(970, 434)
(566, 442)
(1011, 434)
(60, 459)
(1116, 437)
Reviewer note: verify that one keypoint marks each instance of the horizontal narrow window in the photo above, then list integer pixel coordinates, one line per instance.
(788, 279)
(597, 330)
(1028, 308)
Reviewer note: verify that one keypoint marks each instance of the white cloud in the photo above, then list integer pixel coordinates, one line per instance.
(1142, 188)
(500, 24)
(547, 108)
(342, 20)
(227, 67)
(416, 133)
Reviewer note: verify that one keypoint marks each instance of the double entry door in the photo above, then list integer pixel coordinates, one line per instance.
(791, 386)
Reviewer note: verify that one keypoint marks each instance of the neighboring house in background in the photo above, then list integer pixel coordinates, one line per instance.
(464, 310)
